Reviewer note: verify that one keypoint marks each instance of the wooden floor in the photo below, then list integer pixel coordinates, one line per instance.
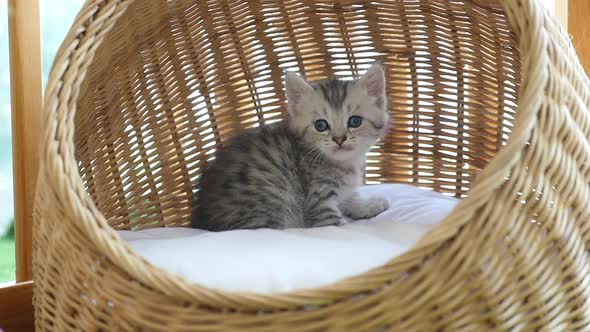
(16, 308)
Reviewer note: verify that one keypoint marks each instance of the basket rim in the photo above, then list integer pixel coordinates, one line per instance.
(96, 19)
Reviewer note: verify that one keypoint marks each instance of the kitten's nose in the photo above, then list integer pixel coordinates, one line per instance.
(339, 139)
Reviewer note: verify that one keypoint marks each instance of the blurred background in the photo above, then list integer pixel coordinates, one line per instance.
(56, 18)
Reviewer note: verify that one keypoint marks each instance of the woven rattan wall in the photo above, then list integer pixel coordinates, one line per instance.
(488, 100)
(174, 79)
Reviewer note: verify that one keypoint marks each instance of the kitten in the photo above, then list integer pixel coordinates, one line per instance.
(301, 172)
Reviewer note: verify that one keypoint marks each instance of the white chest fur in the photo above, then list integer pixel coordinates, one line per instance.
(350, 182)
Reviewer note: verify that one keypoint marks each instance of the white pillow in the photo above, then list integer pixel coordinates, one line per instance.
(270, 261)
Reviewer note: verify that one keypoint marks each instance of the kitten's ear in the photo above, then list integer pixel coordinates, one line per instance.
(374, 80)
(295, 87)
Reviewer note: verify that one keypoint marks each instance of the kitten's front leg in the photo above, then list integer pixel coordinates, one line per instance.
(325, 213)
(364, 208)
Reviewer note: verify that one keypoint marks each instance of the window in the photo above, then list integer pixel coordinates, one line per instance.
(7, 256)
(56, 18)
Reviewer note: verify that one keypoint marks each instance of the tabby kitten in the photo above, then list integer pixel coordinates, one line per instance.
(301, 172)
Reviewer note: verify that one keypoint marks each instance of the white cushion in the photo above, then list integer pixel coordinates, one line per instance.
(270, 261)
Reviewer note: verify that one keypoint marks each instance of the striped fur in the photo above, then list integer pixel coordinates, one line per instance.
(289, 175)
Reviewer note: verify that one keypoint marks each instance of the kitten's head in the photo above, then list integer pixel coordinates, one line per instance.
(341, 118)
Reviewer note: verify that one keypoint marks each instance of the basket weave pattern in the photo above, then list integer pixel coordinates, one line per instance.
(489, 103)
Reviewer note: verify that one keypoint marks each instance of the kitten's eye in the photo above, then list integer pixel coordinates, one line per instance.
(355, 121)
(321, 125)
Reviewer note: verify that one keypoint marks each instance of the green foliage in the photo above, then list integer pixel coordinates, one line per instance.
(7, 260)
(7, 255)
(9, 235)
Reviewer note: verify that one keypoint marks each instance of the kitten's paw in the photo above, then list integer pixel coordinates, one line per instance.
(370, 208)
(331, 222)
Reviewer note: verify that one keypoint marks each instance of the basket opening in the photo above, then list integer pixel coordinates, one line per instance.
(172, 81)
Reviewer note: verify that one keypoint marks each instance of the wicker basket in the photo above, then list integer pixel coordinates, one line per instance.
(489, 103)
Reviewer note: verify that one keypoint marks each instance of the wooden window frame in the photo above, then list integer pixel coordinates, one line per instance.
(578, 14)
(16, 309)
(26, 101)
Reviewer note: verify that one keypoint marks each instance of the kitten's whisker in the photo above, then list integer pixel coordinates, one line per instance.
(313, 159)
(318, 159)
(305, 158)
(311, 162)
(310, 151)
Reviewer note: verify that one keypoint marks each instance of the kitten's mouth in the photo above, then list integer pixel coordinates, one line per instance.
(340, 148)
